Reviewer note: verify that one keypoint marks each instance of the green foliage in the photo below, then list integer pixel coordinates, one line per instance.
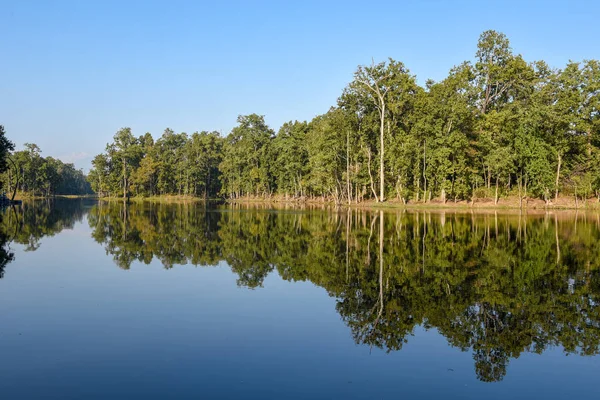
(30, 173)
(6, 146)
(493, 127)
(247, 158)
(290, 167)
(173, 164)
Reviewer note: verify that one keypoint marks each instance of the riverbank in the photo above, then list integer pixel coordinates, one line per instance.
(162, 199)
(156, 199)
(508, 203)
(27, 197)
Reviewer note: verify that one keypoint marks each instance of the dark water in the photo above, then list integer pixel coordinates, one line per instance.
(99, 300)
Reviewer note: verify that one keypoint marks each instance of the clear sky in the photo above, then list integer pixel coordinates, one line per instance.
(73, 72)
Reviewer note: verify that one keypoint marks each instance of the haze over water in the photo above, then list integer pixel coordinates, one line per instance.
(106, 300)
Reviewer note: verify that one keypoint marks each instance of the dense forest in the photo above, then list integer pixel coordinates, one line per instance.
(28, 173)
(494, 127)
(496, 285)
(174, 164)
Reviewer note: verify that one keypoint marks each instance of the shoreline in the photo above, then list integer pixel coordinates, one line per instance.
(506, 204)
(512, 204)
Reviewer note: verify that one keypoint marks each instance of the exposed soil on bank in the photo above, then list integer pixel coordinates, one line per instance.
(507, 203)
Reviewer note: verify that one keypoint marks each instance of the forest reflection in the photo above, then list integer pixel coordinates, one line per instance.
(27, 224)
(494, 284)
(6, 254)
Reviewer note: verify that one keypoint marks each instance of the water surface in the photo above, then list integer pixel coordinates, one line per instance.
(153, 301)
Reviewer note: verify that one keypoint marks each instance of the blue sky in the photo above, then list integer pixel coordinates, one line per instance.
(73, 72)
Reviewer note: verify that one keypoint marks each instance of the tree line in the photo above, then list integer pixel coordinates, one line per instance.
(173, 164)
(28, 173)
(497, 126)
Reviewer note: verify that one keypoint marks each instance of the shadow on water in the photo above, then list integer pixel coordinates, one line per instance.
(494, 284)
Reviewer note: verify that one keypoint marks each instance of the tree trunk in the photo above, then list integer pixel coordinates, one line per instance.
(418, 188)
(557, 176)
(487, 95)
(370, 174)
(424, 176)
(496, 194)
(348, 189)
(17, 176)
(520, 197)
(124, 179)
(525, 191)
(381, 165)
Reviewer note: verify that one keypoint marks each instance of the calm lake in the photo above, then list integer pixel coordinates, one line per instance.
(99, 300)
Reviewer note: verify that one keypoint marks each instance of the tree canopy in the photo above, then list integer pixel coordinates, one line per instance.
(6, 146)
(31, 173)
(495, 126)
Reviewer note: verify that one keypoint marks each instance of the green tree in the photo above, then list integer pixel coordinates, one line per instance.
(125, 151)
(247, 157)
(385, 84)
(6, 146)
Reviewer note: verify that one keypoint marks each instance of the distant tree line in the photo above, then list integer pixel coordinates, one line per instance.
(28, 173)
(174, 164)
(493, 127)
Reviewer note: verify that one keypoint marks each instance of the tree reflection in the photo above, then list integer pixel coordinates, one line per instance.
(28, 223)
(495, 285)
(6, 254)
